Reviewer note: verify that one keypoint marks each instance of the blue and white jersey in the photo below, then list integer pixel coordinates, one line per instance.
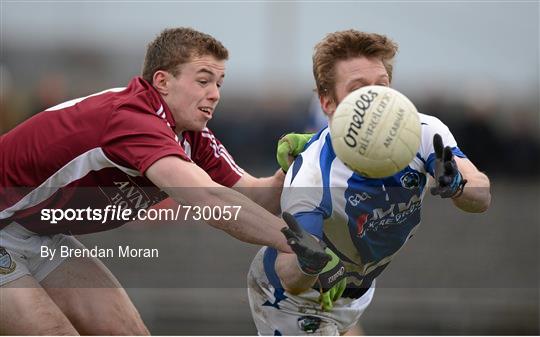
(364, 221)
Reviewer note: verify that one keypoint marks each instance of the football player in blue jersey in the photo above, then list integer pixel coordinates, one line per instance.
(363, 222)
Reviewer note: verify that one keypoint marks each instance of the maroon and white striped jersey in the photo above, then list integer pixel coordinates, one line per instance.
(93, 152)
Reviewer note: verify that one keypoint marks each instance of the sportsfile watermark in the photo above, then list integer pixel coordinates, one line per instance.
(119, 213)
(443, 247)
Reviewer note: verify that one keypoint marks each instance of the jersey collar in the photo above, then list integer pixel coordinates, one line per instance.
(161, 108)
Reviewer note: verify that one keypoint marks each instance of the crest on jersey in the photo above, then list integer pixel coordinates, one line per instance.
(410, 180)
(309, 324)
(7, 265)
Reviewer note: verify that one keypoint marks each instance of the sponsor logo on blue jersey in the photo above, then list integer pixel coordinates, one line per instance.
(382, 212)
(388, 215)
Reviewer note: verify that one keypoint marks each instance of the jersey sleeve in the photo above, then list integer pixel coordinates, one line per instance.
(137, 140)
(209, 154)
(306, 192)
(430, 126)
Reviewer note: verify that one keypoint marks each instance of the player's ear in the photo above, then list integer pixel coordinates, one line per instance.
(328, 104)
(159, 81)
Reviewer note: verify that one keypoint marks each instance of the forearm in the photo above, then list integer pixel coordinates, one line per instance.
(253, 224)
(188, 184)
(476, 196)
(292, 278)
(265, 191)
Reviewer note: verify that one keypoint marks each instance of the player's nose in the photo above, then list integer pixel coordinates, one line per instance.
(214, 94)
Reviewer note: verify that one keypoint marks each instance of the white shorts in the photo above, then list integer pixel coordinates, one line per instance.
(298, 315)
(20, 253)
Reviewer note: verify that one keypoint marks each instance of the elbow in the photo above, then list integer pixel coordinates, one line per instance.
(477, 195)
(484, 202)
(485, 205)
(479, 205)
(479, 208)
(485, 199)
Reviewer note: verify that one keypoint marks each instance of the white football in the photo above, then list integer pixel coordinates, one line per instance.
(375, 131)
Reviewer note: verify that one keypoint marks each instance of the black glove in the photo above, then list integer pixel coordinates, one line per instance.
(448, 180)
(309, 252)
(332, 281)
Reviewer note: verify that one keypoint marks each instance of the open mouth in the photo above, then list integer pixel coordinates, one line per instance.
(206, 110)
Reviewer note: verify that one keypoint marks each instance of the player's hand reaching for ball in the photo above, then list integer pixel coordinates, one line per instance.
(310, 252)
(290, 146)
(449, 182)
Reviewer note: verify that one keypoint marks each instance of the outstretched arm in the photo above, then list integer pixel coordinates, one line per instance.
(188, 184)
(459, 179)
(264, 191)
(267, 191)
(476, 196)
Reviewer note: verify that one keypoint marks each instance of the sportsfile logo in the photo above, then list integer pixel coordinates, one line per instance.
(114, 213)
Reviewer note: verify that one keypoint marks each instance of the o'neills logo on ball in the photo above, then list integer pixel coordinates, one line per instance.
(362, 104)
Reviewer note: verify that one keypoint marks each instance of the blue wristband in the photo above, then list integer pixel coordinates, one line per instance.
(458, 184)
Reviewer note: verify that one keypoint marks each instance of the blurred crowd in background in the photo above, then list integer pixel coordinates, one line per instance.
(480, 77)
(474, 65)
(502, 139)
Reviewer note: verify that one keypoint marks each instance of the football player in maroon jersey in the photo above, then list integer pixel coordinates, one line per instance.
(120, 147)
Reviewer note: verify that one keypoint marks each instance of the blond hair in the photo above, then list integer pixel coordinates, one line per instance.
(343, 45)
